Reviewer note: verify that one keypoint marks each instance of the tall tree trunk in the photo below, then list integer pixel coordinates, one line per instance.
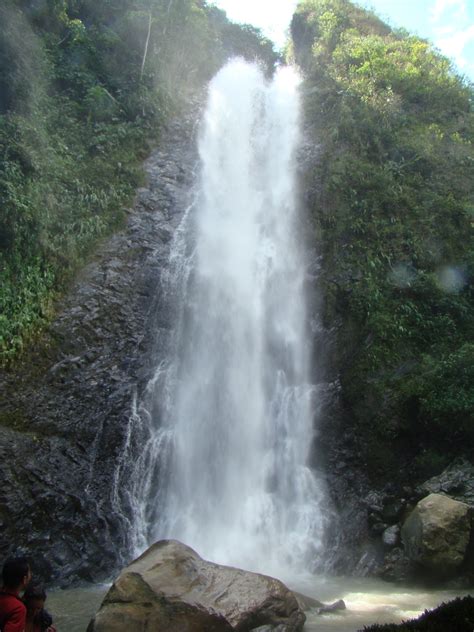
(145, 52)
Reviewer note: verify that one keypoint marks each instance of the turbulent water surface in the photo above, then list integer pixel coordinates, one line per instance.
(232, 408)
(368, 601)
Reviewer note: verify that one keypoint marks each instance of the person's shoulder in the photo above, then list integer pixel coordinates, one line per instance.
(17, 604)
(12, 602)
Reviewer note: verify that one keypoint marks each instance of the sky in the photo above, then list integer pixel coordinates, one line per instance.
(449, 24)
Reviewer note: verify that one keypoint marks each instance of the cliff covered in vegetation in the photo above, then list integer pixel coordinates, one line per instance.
(87, 90)
(391, 192)
(84, 88)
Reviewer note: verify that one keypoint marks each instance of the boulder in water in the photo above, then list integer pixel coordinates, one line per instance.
(391, 536)
(308, 603)
(436, 534)
(170, 587)
(333, 607)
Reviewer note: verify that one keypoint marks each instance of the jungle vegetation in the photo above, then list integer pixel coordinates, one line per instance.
(392, 198)
(85, 87)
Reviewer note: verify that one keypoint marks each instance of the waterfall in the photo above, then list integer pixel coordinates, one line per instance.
(234, 402)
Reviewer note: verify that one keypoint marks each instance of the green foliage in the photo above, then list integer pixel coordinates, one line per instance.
(442, 390)
(85, 86)
(394, 218)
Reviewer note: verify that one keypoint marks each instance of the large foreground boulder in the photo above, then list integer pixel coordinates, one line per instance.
(171, 589)
(436, 534)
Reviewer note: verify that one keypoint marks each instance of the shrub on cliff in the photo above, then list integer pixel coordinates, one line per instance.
(393, 209)
(84, 87)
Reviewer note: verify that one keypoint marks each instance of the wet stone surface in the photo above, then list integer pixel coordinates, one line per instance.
(66, 425)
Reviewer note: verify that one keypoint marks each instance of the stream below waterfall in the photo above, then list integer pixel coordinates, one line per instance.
(368, 601)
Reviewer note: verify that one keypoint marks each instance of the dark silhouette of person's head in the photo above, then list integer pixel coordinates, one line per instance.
(34, 592)
(16, 573)
(34, 598)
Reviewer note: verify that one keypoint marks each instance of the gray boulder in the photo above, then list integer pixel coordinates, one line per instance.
(391, 536)
(171, 588)
(308, 603)
(436, 534)
(334, 607)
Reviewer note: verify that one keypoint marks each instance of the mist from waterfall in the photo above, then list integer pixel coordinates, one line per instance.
(234, 401)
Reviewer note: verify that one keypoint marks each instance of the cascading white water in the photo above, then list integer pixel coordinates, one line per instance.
(237, 407)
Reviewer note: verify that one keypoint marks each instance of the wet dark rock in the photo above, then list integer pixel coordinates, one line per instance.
(333, 607)
(391, 536)
(370, 562)
(456, 481)
(348, 540)
(392, 509)
(396, 567)
(67, 438)
(307, 603)
(374, 518)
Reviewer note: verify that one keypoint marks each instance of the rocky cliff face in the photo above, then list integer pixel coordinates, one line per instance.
(67, 429)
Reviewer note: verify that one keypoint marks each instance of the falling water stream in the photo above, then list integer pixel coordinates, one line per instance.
(230, 412)
(236, 424)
